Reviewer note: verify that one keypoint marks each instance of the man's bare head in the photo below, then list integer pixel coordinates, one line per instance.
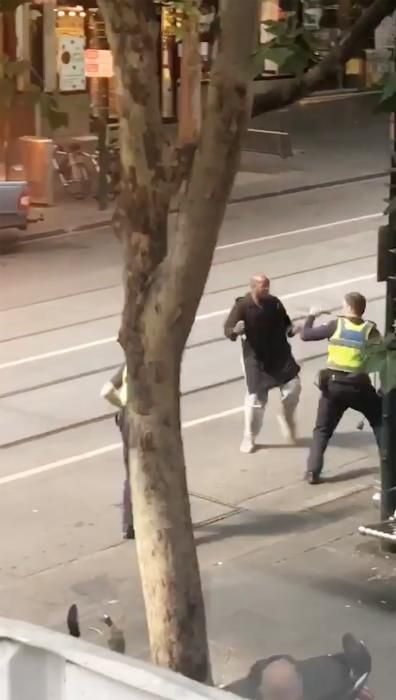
(281, 681)
(260, 286)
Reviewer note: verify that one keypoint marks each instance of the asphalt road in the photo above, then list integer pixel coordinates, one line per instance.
(60, 473)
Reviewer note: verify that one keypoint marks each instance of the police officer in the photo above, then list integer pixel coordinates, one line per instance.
(115, 392)
(345, 383)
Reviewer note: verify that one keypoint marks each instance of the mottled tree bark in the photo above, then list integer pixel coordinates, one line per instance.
(189, 115)
(164, 281)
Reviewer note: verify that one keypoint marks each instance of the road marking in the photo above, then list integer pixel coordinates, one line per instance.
(84, 456)
(201, 317)
(57, 353)
(294, 295)
(297, 231)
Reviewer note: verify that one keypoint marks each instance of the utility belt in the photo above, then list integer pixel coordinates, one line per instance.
(327, 376)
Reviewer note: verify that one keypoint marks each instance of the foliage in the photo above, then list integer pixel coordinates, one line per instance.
(387, 101)
(10, 71)
(11, 5)
(293, 47)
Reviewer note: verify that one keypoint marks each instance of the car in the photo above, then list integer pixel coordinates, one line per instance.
(14, 205)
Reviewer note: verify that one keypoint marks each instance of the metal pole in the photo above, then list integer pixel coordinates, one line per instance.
(388, 452)
(103, 88)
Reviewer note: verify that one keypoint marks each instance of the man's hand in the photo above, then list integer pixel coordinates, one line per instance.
(239, 328)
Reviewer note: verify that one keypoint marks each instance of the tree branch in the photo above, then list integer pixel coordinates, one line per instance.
(132, 29)
(215, 164)
(289, 91)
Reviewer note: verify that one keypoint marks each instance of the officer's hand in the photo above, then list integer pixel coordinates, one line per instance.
(296, 329)
(239, 328)
(314, 311)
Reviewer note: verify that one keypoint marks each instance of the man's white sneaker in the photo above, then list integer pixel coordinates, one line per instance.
(247, 445)
(377, 499)
(288, 430)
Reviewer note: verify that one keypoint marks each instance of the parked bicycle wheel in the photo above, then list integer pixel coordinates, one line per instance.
(80, 185)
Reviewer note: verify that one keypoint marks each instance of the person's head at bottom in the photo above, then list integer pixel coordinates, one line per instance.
(281, 681)
(354, 305)
(260, 287)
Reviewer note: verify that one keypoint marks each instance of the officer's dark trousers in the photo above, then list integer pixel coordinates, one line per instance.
(334, 401)
(127, 515)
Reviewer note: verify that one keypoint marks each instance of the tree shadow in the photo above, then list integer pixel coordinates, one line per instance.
(269, 524)
(358, 587)
(355, 439)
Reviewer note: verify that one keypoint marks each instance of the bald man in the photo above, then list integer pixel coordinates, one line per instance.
(261, 320)
(281, 681)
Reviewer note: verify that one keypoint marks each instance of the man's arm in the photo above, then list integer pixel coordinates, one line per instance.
(111, 390)
(290, 329)
(235, 316)
(323, 332)
(118, 377)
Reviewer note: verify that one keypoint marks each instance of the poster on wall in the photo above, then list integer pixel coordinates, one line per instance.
(71, 64)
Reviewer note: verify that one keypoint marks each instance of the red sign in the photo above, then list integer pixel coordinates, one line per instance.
(99, 63)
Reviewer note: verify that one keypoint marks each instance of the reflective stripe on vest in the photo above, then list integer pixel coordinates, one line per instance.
(347, 347)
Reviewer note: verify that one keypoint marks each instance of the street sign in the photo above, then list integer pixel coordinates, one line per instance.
(98, 63)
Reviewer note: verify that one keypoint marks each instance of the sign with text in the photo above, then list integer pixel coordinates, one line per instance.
(99, 63)
(71, 64)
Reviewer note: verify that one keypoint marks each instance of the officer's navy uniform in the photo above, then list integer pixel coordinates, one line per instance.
(344, 384)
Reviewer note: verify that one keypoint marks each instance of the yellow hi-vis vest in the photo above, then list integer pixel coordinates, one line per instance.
(348, 346)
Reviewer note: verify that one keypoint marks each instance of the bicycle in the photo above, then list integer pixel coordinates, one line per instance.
(71, 168)
(113, 175)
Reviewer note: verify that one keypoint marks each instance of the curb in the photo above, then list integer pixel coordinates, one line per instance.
(52, 233)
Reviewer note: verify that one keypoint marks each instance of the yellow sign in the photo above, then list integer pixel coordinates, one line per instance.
(70, 26)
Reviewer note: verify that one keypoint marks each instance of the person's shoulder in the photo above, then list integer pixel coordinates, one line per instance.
(274, 302)
(246, 299)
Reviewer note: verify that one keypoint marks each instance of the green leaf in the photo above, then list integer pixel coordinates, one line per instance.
(277, 29)
(387, 102)
(278, 54)
(56, 118)
(298, 62)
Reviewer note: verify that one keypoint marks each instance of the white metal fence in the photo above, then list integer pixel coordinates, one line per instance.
(38, 664)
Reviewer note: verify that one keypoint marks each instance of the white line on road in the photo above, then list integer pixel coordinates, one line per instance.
(84, 456)
(294, 295)
(297, 231)
(201, 317)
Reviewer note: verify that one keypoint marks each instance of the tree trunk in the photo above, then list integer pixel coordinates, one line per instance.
(190, 81)
(164, 281)
(165, 542)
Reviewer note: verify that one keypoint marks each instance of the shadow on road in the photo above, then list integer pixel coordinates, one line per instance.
(249, 523)
(351, 474)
